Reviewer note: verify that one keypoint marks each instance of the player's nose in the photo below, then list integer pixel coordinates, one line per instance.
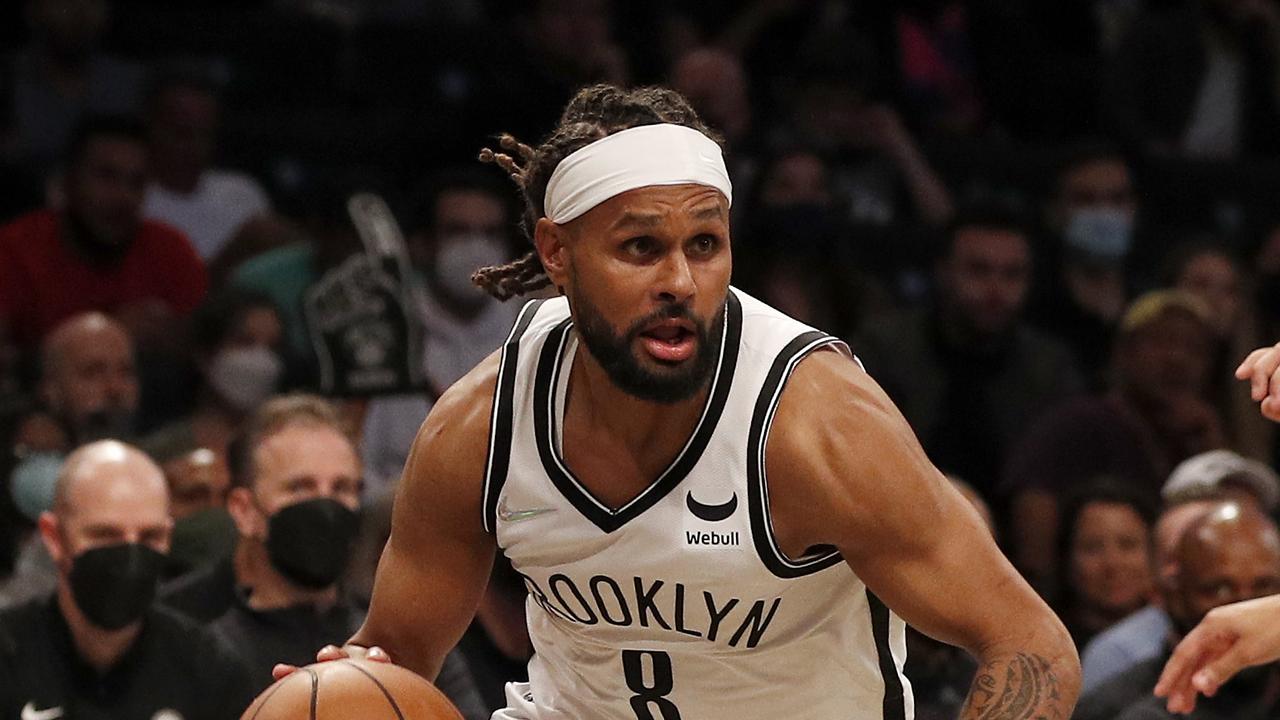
(675, 281)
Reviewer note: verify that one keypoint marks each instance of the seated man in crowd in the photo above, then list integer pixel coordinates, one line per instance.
(99, 647)
(295, 501)
(1193, 489)
(1155, 416)
(95, 251)
(1228, 554)
(967, 372)
(88, 390)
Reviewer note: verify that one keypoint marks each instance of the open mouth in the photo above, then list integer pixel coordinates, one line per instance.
(670, 341)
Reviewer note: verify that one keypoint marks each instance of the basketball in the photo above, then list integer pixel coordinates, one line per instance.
(349, 690)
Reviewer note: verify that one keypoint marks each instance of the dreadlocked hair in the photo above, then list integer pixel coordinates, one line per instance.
(594, 112)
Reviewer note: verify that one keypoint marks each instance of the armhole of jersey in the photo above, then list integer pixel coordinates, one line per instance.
(501, 415)
(758, 439)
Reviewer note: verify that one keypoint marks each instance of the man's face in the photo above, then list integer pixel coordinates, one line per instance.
(986, 278)
(183, 128)
(111, 507)
(1169, 356)
(1240, 566)
(1102, 183)
(458, 213)
(105, 189)
(302, 461)
(647, 274)
(93, 386)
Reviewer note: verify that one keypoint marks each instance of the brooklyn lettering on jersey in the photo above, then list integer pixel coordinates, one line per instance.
(655, 604)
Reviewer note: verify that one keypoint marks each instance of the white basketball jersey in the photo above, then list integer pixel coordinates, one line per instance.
(678, 604)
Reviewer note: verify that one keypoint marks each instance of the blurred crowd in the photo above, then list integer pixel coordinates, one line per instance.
(235, 248)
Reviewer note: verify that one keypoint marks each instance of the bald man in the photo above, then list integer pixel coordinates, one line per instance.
(1228, 554)
(99, 647)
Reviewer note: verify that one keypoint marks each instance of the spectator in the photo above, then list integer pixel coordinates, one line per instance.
(1105, 552)
(1155, 416)
(99, 647)
(209, 204)
(462, 222)
(1199, 79)
(1141, 636)
(797, 251)
(1210, 272)
(62, 75)
(88, 391)
(967, 372)
(295, 501)
(203, 533)
(237, 344)
(879, 171)
(97, 253)
(1228, 554)
(1192, 488)
(1089, 223)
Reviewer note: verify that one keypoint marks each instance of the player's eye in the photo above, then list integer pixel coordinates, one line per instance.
(640, 246)
(705, 244)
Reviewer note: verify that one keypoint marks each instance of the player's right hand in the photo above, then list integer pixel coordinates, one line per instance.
(333, 652)
(1262, 369)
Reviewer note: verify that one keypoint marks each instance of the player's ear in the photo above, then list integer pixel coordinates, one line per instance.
(549, 239)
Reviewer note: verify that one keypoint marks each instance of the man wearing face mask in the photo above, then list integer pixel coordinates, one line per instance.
(295, 501)
(462, 218)
(99, 647)
(1090, 221)
(1228, 554)
(88, 391)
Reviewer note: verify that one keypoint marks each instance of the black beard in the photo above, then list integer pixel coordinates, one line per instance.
(615, 355)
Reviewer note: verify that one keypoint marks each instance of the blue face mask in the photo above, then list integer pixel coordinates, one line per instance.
(32, 482)
(1101, 233)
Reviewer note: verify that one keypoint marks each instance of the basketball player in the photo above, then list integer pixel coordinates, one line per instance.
(716, 512)
(1232, 637)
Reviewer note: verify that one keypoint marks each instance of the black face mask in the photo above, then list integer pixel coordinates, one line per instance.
(310, 542)
(115, 584)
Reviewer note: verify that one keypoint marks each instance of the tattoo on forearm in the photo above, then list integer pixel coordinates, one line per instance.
(1028, 691)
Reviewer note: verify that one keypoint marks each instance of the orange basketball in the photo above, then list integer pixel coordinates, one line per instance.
(352, 690)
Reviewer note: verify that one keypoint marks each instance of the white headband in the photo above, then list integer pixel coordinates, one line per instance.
(630, 159)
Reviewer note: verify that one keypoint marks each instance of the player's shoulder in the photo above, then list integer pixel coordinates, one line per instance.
(462, 412)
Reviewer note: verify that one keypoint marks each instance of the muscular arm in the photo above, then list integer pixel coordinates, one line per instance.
(435, 566)
(850, 473)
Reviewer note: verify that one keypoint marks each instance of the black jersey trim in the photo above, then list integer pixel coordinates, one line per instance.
(502, 413)
(895, 702)
(757, 484)
(608, 519)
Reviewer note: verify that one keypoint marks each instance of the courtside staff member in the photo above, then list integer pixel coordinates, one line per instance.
(100, 649)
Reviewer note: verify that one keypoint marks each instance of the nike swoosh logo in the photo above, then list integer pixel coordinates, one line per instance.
(508, 515)
(711, 513)
(29, 712)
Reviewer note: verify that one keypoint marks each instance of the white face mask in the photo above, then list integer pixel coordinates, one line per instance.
(1103, 233)
(245, 376)
(458, 256)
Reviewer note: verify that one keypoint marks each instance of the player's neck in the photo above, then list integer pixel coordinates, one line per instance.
(100, 649)
(642, 425)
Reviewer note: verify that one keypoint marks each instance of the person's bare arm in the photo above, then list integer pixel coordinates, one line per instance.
(845, 470)
(436, 564)
(1229, 639)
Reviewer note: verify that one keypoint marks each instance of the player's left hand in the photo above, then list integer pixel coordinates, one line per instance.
(333, 652)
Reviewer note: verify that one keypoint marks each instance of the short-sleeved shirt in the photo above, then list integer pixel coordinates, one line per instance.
(211, 214)
(175, 670)
(43, 281)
